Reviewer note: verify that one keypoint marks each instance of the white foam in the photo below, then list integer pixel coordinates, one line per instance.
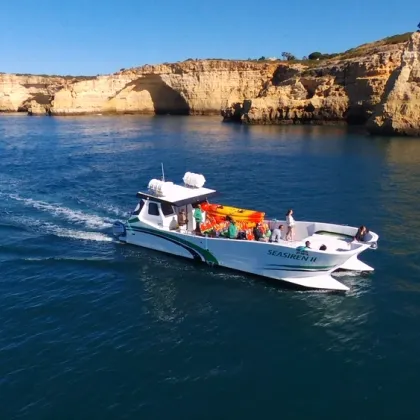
(87, 236)
(105, 207)
(74, 216)
(113, 210)
(52, 229)
(346, 274)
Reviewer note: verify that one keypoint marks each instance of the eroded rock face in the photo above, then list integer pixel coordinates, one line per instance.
(17, 92)
(399, 111)
(336, 91)
(191, 87)
(246, 91)
(344, 91)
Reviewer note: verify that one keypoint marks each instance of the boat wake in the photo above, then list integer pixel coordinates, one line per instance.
(104, 206)
(347, 273)
(73, 216)
(74, 234)
(48, 228)
(77, 218)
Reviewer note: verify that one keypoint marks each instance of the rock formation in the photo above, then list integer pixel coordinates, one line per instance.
(336, 91)
(373, 78)
(188, 88)
(399, 111)
(22, 92)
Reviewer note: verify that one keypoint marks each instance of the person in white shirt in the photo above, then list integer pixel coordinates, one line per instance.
(276, 234)
(290, 225)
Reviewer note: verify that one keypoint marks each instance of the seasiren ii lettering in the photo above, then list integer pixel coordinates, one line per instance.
(291, 256)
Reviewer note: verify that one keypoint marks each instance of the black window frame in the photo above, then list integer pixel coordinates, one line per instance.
(152, 203)
(137, 212)
(165, 208)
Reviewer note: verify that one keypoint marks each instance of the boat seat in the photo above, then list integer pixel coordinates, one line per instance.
(331, 242)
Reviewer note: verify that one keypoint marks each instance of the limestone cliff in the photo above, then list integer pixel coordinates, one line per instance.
(29, 92)
(190, 87)
(334, 91)
(344, 89)
(16, 91)
(399, 111)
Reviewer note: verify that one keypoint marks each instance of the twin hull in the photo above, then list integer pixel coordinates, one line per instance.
(270, 260)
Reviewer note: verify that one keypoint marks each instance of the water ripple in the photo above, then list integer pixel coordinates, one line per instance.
(94, 329)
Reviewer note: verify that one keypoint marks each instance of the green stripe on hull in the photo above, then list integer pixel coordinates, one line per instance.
(205, 253)
(285, 268)
(300, 267)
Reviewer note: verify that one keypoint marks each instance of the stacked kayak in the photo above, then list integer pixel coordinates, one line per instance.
(219, 213)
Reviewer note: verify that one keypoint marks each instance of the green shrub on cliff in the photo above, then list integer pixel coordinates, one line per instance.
(315, 55)
(288, 56)
(397, 39)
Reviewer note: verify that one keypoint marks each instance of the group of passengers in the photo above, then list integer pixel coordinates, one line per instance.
(276, 234)
(258, 231)
(308, 246)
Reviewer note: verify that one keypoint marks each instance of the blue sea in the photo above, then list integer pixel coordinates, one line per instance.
(94, 329)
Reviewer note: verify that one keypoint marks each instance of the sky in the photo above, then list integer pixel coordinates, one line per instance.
(99, 37)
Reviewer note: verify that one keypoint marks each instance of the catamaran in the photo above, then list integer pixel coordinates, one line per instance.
(154, 224)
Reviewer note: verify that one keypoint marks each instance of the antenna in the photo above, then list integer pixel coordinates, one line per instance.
(163, 173)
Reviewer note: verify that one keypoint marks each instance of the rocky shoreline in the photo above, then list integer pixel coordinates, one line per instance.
(376, 85)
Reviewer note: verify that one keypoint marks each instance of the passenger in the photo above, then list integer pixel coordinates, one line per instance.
(182, 218)
(242, 235)
(232, 230)
(198, 216)
(258, 233)
(290, 235)
(276, 234)
(361, 233)
(323, 248)
(304, 247)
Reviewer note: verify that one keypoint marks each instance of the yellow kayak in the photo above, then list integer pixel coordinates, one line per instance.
(220, 211)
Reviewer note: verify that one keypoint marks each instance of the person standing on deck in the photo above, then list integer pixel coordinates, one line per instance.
(198, 216)
(290, 221)
(182, 218)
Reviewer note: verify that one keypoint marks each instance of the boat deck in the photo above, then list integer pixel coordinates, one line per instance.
(332, 242)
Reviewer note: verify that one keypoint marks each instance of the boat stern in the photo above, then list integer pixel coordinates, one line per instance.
(119, 231)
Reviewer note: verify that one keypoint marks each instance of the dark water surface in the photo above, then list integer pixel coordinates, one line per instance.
(91, 329)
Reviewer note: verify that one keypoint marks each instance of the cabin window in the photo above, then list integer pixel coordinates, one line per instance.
(139, 207)
(167, 209)
(153, 209)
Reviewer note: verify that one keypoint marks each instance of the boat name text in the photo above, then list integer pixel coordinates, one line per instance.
(300, 255)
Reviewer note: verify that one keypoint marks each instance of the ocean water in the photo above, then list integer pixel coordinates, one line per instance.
(90, 328)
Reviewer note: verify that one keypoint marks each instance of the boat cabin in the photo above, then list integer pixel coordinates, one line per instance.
(163, 202)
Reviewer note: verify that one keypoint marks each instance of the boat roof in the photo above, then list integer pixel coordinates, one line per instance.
(180, 195)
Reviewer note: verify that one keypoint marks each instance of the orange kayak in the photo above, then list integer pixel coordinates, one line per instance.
(220, 212)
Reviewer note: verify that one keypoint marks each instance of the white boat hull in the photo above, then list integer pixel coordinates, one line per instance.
(354, 264)
(279, 261)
